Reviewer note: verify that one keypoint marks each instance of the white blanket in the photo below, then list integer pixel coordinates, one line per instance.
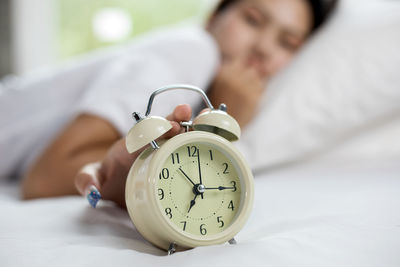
(339, 210)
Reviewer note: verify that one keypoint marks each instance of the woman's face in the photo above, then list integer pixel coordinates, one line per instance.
(262, 34)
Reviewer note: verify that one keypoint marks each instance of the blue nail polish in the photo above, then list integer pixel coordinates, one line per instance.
(93, 197)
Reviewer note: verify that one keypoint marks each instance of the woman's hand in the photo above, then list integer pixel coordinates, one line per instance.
(107, 178)
(240, 87)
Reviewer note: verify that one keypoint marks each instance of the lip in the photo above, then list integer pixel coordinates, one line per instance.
(257, 64)
(249, 62)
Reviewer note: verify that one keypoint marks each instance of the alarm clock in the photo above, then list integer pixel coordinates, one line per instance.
(194, 189)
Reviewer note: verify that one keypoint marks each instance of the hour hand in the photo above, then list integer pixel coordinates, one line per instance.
(192, 202)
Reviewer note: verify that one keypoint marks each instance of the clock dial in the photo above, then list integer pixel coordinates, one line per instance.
(198, 189)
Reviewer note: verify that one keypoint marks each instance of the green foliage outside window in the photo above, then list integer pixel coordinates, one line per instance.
(75, 33)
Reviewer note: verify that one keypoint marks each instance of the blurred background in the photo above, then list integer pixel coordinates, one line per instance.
(39, 33)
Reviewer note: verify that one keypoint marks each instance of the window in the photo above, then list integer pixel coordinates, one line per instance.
(45, 32)
(90, 24)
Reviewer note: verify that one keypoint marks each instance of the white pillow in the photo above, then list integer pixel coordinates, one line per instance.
(345, 78)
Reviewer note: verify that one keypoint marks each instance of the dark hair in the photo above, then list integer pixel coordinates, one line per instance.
(321, 10)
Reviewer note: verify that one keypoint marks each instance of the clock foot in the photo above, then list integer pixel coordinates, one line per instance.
(171, 249)
(232, 241)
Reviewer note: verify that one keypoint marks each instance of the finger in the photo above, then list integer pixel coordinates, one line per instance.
(87, 182)
(204, 110)
(176, 129)
(182, 112)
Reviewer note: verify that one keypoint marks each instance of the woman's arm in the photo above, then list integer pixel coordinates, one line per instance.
(89, 139)
(86, 139)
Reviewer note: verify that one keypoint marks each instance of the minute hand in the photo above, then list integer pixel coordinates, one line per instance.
(198, 161)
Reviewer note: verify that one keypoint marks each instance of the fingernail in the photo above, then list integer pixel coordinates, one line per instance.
(93, 196)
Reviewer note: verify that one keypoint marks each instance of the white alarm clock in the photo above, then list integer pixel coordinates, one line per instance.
(195, 189)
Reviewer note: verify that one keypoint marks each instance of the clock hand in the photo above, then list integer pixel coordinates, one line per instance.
(186, 176)
(198, 161)
(219, 188)
(192, 202)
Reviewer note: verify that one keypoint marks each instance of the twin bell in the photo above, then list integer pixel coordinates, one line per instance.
(148, 128)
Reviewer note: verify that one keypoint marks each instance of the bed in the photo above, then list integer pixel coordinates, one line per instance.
(334, 210)
(330, 195)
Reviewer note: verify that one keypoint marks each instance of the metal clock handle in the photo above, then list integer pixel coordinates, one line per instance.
(174, 87)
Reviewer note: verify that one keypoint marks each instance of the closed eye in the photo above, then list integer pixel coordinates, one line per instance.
(288, 44)
(252, 17)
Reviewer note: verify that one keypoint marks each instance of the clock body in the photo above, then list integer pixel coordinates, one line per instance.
(195, 190)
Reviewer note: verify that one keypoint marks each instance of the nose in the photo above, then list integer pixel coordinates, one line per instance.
(264, 45)
(262, 53)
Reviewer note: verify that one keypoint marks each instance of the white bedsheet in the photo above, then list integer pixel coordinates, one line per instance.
(313, 214)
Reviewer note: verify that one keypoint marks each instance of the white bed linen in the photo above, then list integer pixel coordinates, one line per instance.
(319, 213)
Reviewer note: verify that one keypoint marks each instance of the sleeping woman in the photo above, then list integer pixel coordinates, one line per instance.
(243, 45)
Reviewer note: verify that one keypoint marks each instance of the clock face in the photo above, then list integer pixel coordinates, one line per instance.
(199, 190)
